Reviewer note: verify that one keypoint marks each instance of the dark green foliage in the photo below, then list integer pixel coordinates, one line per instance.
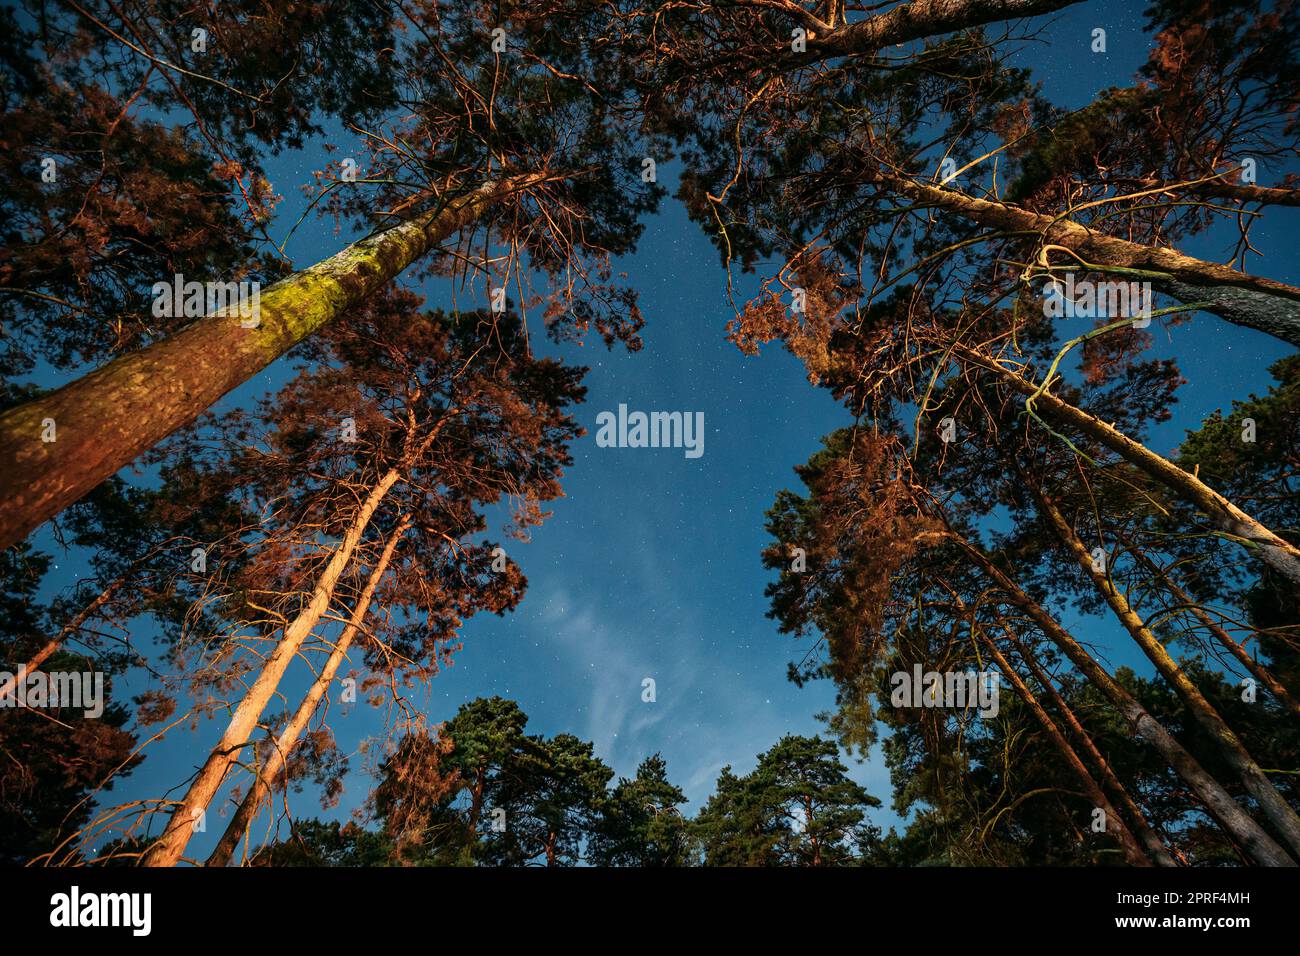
(316, 843)
(797, 808)
(639, 823)
(481, 792)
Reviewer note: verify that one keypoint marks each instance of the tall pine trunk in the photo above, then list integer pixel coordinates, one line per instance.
(268, 775)
(1257, 303)
(54, 643)
(1276, 552)
(1260, 672)
(1154, 845)
(1224, 739)
(169, 847)
(1248, 834)
(1116, 826)
(107, 418)
(906, 22)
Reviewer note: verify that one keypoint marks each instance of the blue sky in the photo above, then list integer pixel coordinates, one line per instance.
(649, 567)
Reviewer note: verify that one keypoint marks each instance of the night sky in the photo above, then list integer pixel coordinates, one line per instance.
(649, 566)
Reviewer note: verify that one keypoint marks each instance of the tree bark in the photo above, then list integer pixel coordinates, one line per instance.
(916, 21)
(167, 850)
(1225, 740)
(1117, 828)
(1249, 193)
(1141, 828)
(1257, 844)
(268, 776)
(1278, 553)
(1256, 303)
(107, 418)
(1260, 672)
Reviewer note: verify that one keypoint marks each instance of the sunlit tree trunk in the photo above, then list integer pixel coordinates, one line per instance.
(1216, 728)
(1115, 825)
(1248, 834)
(105, 419)
(1276, 552)
(269, 775)
(167, 850)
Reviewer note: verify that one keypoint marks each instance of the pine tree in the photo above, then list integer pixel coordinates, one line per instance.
(798, 808)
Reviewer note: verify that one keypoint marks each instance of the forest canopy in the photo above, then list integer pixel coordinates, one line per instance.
(311, 315)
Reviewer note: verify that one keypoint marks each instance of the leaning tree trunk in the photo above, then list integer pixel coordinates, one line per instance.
(1248, 834)
(1260, 672)
(1224, 739)
(907, 22)
(1149, 838)
(167, 850)
(54, 643)
(105, 419)
(276, 762)
(1116, 826)
(1251, 301)
(1278, 553)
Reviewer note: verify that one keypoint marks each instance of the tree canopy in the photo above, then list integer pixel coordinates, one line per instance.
(258, 491)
